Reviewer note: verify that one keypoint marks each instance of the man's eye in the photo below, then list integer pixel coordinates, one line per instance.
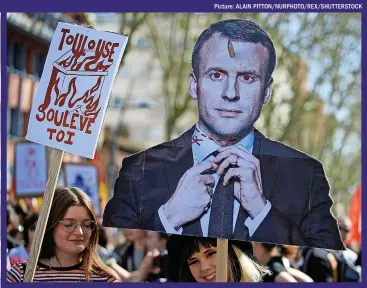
(247, 78)
(216, 76)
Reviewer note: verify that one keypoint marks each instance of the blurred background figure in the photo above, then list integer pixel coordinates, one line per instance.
(291, 257)
(269, 255)
(21, 252)
(156, 240)
(130, 254)
(143, 257)
(345, 227)
(102, 250)
(320, 264)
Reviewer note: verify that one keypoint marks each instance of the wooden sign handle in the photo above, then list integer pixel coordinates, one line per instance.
(53, 175)
(222, 260)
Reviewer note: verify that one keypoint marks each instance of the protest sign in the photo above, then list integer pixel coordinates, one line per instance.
(30, 169)
(84, 177)
(72, 96)
(70, 103)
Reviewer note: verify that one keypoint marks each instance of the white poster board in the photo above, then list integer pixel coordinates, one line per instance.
(30, 169)
(84, 177)
(72, 97)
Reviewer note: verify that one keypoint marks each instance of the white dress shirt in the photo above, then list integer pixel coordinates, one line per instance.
(202, 147)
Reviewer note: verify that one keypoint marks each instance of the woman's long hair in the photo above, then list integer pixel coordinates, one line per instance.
(241, 267)
(65, 198)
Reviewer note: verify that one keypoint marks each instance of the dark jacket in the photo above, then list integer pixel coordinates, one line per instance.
(293, 182)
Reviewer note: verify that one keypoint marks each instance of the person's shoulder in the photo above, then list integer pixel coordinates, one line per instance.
(155, 154)
(111, 279)
(17, 251)
(13, 251)
(103, 276)
(278, 149)
(16, 272)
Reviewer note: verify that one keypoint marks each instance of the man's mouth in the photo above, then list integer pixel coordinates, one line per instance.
(229, 113)
(210, 277)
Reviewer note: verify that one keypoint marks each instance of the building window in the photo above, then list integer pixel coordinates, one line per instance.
(15, 116)
(18, 55)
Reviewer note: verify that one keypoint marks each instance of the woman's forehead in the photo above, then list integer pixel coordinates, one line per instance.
(77, 212)
(203, 247)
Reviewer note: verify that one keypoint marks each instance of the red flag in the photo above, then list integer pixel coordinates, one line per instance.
(355, 217)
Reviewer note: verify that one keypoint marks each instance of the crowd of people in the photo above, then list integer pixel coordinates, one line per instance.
(77, 248)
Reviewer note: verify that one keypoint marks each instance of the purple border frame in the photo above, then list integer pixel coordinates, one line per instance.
(162, 6)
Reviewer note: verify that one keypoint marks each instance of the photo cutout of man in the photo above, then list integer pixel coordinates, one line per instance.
(223, 178)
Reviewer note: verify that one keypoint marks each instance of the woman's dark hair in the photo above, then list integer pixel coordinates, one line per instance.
(30, 223)
(102, 238)
(20, 212)
(14, 231)
(235, 29)
(194, 247)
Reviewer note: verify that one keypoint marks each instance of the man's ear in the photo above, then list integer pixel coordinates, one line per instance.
(268, 90)
(193, 85)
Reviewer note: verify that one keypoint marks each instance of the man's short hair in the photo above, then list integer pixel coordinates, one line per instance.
(235, 29)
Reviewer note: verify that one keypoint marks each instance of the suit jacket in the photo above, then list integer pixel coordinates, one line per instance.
(293, 182)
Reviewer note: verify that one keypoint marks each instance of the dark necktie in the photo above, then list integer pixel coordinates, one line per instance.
(221, 215)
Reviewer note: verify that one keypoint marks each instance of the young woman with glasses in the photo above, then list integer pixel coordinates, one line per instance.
(69, 248)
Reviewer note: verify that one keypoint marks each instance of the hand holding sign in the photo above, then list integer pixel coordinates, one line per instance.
(192, 195)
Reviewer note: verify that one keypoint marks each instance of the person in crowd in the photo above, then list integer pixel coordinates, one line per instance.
(142, 257)
(291, 256)
(320, 264)
(348, 268)
(194, 260)
(19, 210)
(69, 248)
(130, 255)
(345, 227)
(102, 251)
(21, 252)
(142, 274)
(268, 254)
(156, 240)
(13, 235)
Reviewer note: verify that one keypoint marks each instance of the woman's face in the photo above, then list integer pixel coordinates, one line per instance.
(69, 240)
(202, 264)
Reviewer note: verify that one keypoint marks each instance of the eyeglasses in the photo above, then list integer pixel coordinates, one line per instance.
(69, 225)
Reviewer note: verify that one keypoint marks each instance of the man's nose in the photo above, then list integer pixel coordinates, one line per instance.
(231, 92)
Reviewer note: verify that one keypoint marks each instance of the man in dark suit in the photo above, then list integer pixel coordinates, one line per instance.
(223, 178)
